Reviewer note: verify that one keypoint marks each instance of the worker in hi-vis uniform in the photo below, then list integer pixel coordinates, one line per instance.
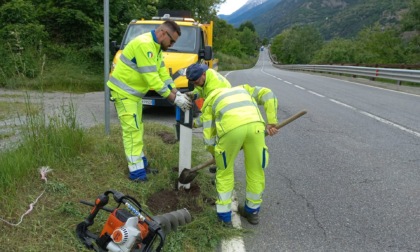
(211, 80)
(139, 69)
(232, 121)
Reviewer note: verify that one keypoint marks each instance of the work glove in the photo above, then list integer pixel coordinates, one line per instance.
(182, 101)
(191, 95)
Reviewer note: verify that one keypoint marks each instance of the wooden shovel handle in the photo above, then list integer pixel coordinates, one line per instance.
(201, 166)
(290, 119)
(278, 126)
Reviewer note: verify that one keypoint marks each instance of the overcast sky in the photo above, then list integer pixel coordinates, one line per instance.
(231, 6)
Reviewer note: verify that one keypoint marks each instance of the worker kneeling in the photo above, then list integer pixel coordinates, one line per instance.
(232, 121)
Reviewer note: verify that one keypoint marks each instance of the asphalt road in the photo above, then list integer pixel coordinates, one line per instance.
(345, 176)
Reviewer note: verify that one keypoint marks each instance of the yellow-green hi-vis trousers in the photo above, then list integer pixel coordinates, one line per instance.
(251, 138)
(130, 115)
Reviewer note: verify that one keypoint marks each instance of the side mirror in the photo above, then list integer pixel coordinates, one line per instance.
(114, 47)
(207, 53)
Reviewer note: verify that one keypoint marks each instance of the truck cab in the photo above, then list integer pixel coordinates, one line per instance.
(193, 46)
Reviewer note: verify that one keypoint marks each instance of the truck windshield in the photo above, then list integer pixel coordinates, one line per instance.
(187, 42)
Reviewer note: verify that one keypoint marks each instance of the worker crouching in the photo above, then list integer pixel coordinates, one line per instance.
(232, 122)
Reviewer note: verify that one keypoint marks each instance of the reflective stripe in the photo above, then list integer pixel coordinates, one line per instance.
(197, 123)
(162, 64)
(225, 196)
(126, 88)
(162, 90)
(253, 200)
(252, 205)
(208, 124)
(168, 82)
(132, 65)
(135, 167)
(253, 196)
(129, 63)
(221, 97)
(223, 204)
(234, 106)
(148, 69)
(267, 97)
(211, 141)
(224, 208)
(255, 93)
(135, 159)
(135, 162)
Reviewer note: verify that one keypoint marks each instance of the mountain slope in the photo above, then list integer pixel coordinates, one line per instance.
(248, 7)
(249, 11)
(342, 18)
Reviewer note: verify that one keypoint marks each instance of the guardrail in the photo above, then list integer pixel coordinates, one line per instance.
(373, 72)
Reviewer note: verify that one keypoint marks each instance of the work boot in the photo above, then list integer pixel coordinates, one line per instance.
(252, 218)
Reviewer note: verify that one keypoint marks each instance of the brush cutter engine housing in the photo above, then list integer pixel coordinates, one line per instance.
(122, 231)
(128, 230)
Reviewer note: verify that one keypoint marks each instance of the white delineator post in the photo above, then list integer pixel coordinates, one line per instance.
(185, 145)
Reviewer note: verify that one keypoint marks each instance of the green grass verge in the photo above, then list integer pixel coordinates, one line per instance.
(86, 163)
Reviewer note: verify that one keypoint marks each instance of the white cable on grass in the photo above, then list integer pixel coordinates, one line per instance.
(43, 170)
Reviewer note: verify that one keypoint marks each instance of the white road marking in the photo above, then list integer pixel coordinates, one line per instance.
(235, 244)
(320, 95)
(417, 134)
(361, 84)
(342, 104)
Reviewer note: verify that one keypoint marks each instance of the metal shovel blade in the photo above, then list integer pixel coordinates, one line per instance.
(188, 175)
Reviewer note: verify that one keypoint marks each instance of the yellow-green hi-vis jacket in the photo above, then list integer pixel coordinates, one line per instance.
(228, 108)
(214, 80)
(141, 68)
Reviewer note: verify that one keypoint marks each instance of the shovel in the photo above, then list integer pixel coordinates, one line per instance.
(188, 175)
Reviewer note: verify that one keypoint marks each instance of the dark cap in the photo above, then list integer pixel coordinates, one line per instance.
(194, 71)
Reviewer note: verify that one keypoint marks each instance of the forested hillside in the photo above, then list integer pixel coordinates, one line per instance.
(374, 44)
(334, 18)
(57, 44)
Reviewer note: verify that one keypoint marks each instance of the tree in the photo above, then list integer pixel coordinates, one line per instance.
(338, 50)
(379, 45)
(80, 23)
(22, 38)
(265, 41)
(277, 47)
(297, 45)
(233, 47)
(411, 24)
(247, 24)
(411, 20)
(249, 40)
(223, 33)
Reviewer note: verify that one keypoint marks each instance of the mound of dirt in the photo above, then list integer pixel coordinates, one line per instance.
(171, 200)
(167, 137)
